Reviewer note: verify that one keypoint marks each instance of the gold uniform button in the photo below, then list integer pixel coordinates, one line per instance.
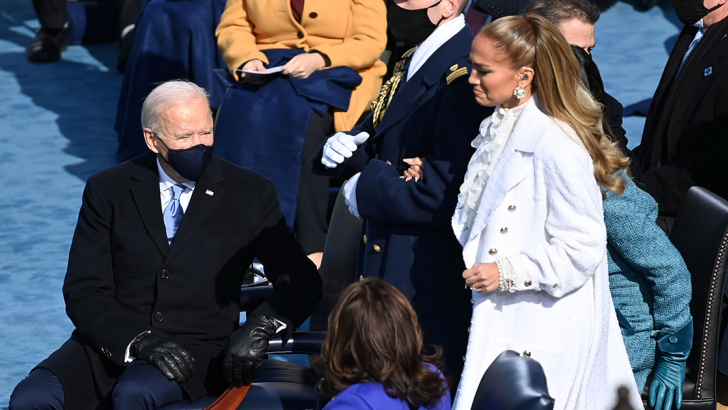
(512, 208)
(389, 163)
(504, 230)
(377, 249)
(527, 283)
(365, 239)
(493, 251)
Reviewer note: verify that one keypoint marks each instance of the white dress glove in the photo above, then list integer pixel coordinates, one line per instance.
(341, 146)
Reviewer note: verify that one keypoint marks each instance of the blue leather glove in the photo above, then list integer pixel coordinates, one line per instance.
(669, 373)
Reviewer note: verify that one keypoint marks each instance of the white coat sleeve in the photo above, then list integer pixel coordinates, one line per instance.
(575, 244)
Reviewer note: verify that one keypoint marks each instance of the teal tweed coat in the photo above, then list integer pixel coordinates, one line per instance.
(649, 281)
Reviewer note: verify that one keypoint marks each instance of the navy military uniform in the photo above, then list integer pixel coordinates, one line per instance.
(406, 238)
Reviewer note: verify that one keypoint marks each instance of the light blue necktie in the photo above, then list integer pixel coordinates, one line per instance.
(173, 213)
(694, 43)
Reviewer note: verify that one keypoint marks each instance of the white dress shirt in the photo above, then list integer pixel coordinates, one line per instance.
(165, 189)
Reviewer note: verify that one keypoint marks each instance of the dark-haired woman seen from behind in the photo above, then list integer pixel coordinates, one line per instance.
(372, 354)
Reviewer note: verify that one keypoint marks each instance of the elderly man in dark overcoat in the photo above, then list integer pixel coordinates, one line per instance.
(155, 269)
(426, 110)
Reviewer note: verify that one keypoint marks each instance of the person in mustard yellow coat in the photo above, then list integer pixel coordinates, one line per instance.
(332, 33)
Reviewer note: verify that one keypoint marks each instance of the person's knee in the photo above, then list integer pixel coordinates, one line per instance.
(144, 387)
(41, 390)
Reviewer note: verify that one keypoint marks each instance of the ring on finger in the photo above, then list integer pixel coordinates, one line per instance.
(474, 289)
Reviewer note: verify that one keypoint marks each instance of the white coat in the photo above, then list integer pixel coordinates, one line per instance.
(542, 210)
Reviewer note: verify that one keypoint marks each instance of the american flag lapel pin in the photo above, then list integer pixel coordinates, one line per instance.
(708, 71)
(208, 192)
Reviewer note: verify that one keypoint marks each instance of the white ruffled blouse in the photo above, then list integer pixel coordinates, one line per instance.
(489, 144)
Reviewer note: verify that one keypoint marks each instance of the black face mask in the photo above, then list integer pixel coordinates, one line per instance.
(190, 162)
(691, 11)
(410, 26)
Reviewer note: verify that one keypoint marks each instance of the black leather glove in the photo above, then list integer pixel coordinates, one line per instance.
(246, 350)
(170, 357)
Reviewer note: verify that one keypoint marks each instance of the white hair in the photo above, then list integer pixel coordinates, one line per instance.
(169, 94)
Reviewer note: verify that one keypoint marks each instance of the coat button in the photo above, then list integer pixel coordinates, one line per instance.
(504, 230)
(313, 14)
(493, 251)
(527, 283)
(365, 239)
(388, 162)
(300, 34)
(158, 316)
(361, 278)
(165, 274)
(377, 249)
(672, 339)
(526, 353)
(512, 208)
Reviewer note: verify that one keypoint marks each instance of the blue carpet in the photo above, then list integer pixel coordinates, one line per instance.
(57, 122)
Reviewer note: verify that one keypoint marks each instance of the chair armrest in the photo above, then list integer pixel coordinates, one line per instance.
(299, 343)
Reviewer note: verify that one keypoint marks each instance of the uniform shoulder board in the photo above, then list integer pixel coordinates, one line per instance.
(457, 74)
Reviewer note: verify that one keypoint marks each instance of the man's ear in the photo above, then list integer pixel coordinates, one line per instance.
(151, 140)
(451, 8)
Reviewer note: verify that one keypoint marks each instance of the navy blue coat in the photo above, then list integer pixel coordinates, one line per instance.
(407, 239)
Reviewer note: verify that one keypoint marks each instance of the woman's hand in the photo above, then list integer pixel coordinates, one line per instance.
(303, 65)
(482, 277)
(252, 65)
(416, 169)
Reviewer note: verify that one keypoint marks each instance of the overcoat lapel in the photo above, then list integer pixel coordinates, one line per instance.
(698, 74)
(206, 195)
(514, 164)
(690, 84)
(145, 193)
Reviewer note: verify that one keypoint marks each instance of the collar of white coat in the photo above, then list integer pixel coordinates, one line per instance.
(438, 37)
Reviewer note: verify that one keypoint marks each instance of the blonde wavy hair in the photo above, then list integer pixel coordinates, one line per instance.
(532, 41)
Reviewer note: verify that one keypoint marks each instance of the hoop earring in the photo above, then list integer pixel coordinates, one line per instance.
(519, 92)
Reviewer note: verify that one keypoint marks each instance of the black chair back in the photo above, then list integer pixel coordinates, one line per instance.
(700, 233)
(513, 382)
